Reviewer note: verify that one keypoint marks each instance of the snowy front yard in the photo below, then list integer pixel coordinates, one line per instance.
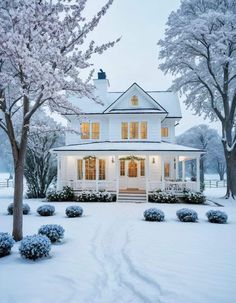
(112, 255)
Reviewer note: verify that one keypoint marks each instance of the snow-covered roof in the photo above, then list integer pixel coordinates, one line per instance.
(127, 146)
(166, 99)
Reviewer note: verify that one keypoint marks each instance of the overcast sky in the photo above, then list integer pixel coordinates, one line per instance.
(135, 58)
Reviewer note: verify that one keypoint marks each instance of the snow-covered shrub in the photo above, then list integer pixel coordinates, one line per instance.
(26, 209)
(94, 196)
(187, 215)
(46, 210)
(74, 211)
(54, 232)
(35, 247)
(67, 194)
(163, 197)
(194, 197)
(6, 243)
(154, 214)
(217, 216)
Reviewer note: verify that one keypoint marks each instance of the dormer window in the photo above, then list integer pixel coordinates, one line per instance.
(134, 100)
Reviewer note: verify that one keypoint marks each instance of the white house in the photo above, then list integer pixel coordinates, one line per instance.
(127, 145)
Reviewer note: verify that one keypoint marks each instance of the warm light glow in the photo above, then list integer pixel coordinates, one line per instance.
(124, 130)
(80, 169)
(95, 130)
(167, 170)
(102, 169)
(85, 130)
(122, 168)
(142, 168)
(134, 100)
(133, 169)
(165, 132)
(133, 130)
(90, 169)
(143, 130)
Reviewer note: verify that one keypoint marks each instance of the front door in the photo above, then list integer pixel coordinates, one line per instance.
(133, 174)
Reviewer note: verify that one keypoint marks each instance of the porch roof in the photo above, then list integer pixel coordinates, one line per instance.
(129, 146)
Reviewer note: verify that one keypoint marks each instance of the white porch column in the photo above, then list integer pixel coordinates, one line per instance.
(83, 169)
(59, 187)
(162, 174)
(117, 175)
(97, 173)
(198, 173)
(183, 170)
(177, 168)
(147, 176)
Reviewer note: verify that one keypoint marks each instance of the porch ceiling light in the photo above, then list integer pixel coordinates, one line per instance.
(112, 160)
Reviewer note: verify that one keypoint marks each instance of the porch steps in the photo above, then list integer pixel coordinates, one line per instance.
(134, 197)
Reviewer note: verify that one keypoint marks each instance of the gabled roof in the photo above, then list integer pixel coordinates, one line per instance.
(154, 106)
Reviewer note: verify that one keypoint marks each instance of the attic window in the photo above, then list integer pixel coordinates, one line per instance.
(134, 100)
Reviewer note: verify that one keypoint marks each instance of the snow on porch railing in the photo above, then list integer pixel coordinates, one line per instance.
(173, 186)
(89, 184)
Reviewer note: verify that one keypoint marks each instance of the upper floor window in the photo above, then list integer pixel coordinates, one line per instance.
(165, 132)
(133, 130)
(134, 100)
(86, 132)
(124, 130)
(143, 130)
(95, 130)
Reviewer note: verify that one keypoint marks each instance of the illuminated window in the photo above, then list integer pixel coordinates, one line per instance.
(165, 132)
(142, 168)
(133, 130)
(90, 169)
(124, 130)
(102, 169)
(134, 100)
(122, 168)
(143, 130)
(80, 169)
(133, 169)
(167, 170)
(95, 130)
(85, 132)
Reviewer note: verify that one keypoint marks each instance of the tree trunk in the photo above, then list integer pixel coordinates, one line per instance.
(231, 172)
(18, 201)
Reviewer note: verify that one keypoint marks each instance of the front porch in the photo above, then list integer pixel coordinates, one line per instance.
(118, 173)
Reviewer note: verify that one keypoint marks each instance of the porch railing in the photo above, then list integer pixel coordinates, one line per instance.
(173, 186)
(109, 185)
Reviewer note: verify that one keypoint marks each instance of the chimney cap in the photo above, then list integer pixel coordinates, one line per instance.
(101, 75)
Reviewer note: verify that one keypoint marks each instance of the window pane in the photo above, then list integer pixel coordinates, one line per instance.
(102, 169)
(124, 130)
(164, 132)
(122, 168)
(143, 130)
(133, 169)
(142, 168)
(134, 130)
(134, 100)
(80, 169)
(85, 133)
(167, 170)
(90, 169)
(95, 130)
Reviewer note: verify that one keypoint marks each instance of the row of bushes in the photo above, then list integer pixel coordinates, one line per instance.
(186, 215)
(35, 246)
(67, 194)
(49, 210)
(188, 197)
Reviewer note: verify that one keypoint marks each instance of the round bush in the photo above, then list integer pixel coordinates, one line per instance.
(25, 207)
(217, 216)
(187, 215)
(46, 210)
(6, 243)
(35, 247)
(74, 211)
(53, 231)
(154, 214)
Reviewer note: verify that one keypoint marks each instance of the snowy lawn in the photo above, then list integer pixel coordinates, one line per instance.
(112, 255)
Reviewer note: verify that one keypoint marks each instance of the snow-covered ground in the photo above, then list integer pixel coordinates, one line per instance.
(112, 255)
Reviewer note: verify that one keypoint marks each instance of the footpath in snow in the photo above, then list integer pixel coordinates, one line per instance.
(112, 255)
